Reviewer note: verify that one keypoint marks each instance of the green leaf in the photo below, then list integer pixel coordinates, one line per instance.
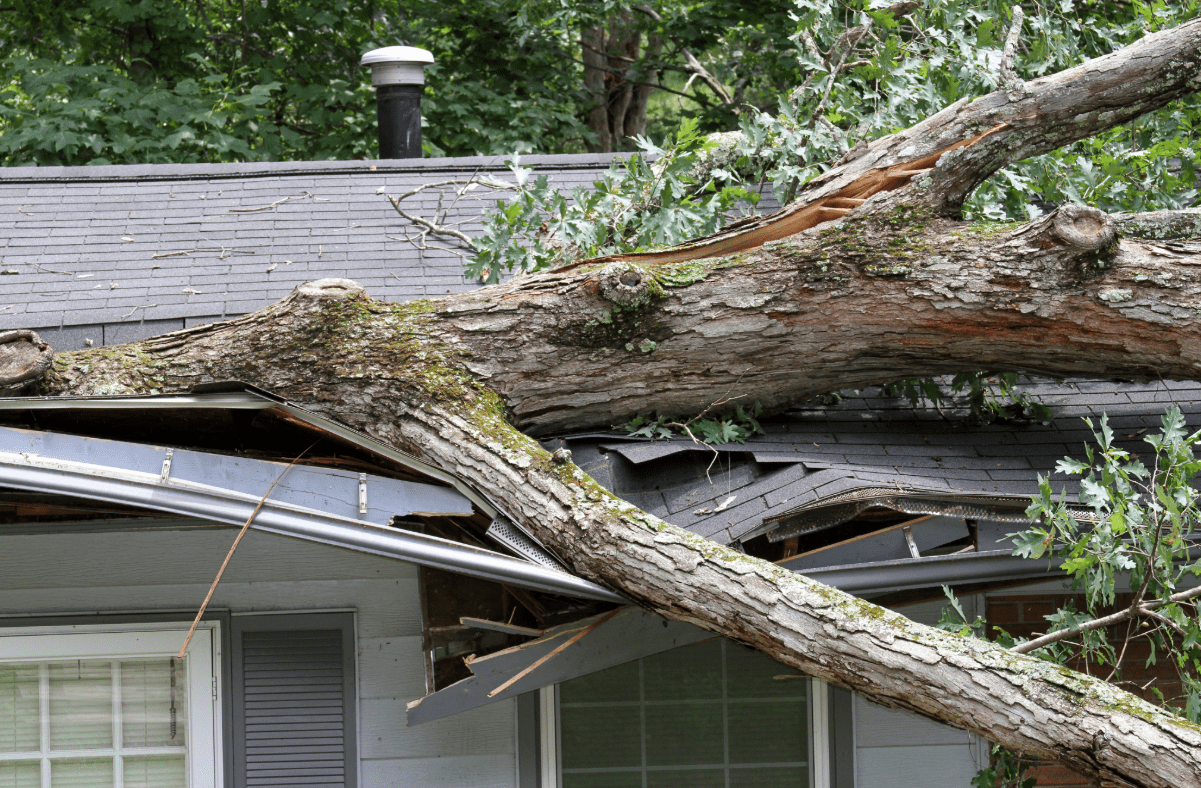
(1030, 544)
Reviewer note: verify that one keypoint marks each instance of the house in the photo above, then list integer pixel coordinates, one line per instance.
(367, 576)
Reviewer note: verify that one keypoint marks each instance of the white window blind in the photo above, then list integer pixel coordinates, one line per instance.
(113, 717)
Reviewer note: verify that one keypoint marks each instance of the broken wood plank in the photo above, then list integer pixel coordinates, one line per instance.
(590, 628)
(631, 634)
(500, 626)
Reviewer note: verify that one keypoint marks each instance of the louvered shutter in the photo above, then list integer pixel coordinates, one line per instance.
(295, 695)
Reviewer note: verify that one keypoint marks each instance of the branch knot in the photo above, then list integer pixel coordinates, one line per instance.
(1084, 228)
(322, 289)
(625, 284)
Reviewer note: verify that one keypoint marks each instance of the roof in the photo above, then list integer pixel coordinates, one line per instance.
(115, 254)
(816, 456)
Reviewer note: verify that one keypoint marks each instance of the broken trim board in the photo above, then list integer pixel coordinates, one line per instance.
(631, 634)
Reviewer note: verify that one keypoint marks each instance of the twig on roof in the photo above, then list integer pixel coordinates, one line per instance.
(438, 225)
(223, 250)
(421, 243)
(685, 426)
(136, 308)
(432, 226)
(491, 183)
(261, 207)
(51, 270)
(278, 202)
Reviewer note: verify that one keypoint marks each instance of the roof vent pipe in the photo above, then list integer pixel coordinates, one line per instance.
(398, 74)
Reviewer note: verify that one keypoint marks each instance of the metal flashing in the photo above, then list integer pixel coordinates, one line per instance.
(253, 170)
(227, 489)
(907, 573)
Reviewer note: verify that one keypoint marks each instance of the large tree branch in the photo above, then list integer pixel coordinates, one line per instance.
(972, 139)
(868, 278)
(390, 371)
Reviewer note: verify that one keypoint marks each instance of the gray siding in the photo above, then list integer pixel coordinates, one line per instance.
(171, 571)
(898, 749)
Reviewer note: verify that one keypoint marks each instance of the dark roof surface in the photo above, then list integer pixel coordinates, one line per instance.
(105, 255)
(118, 253)
(812, 454)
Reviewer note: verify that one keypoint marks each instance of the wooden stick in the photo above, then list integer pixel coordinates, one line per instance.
(230, 554)
(543, 660)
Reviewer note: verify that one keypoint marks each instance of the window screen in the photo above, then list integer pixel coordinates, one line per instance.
(710, 715)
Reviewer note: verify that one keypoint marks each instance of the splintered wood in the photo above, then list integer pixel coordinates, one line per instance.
(800, 217)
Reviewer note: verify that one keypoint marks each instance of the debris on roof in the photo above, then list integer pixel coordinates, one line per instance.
(182, 245)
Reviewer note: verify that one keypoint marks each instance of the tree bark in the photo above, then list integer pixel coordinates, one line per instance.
(620, 79)
(868, 277)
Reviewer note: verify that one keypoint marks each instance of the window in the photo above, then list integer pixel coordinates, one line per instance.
(91, 709)
(710, 715)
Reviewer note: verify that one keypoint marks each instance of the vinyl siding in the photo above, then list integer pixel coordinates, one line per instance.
(899, 749)
(171, 571)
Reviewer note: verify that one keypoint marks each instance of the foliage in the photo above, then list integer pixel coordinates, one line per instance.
(192, 81)
(736, 426)
(1144, 519)
(641, 202)
(904, 70)
(867, 72)
(164, 80)
(1006, 770)
(1135, 526)
(990, 398)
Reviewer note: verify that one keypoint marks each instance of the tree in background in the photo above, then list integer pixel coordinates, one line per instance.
(183, 80)
(177, 80)
(200, 80)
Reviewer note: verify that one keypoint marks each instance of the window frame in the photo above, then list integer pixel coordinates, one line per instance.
(24, 641)
(219, 619)
(831, 763)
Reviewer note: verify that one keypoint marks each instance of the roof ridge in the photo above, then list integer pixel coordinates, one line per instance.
(274, 169)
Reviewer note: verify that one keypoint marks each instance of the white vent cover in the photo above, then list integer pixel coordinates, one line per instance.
(503, 530)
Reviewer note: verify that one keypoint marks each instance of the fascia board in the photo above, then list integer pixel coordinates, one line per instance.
(188, 497)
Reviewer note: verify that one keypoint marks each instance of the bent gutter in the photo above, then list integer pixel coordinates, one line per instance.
(115, 485)
(907, 573)
(235, 395)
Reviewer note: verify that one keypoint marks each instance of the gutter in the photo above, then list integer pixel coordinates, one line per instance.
(209, 502)
(907, 573)
(236, 395)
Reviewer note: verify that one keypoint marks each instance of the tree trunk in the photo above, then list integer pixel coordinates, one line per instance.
(868, 277)
(618, 79)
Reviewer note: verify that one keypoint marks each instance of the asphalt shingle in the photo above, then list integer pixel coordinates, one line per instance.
(133, 224)
(814, 452)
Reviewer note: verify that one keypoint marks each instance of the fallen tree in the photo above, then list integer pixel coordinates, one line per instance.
(868, 277)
